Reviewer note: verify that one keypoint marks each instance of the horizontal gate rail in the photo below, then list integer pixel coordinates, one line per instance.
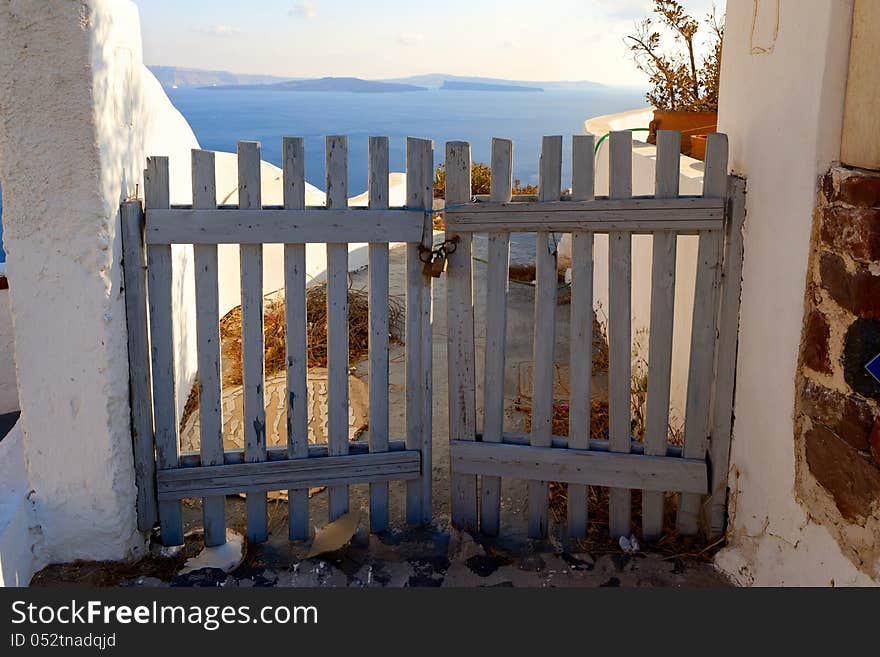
(330, 471)
(635, 215)
(279, 452)
(318, 225)
(577, 466)
(563, 442)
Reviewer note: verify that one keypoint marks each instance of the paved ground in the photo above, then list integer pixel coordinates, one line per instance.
(437, 555)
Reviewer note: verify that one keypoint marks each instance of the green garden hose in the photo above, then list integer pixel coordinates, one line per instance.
(605, 136)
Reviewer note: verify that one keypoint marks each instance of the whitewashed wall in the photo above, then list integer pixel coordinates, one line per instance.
(782, 94)
(79, 114)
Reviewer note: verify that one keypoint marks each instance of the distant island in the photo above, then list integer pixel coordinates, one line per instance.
(354, 85)
(452, 85)
(173, 77)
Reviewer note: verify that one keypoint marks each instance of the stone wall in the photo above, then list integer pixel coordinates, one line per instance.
(837, 409)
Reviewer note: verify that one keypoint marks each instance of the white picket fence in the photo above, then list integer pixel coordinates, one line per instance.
(169, 476)
(698, 469)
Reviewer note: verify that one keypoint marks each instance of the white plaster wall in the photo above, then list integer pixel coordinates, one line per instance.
(781, 105)
(8, 377)
(16, 513)
(77, 116)
(164, 131)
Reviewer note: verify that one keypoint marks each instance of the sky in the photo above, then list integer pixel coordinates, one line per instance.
(376, 39)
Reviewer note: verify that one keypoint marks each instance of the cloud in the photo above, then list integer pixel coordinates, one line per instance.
(304, 10)
(216, 30)
(410, 38)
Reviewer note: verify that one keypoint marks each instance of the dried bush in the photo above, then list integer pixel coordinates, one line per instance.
(481, 181)
(678, 81)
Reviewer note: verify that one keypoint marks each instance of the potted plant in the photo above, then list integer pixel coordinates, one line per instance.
(684, 87)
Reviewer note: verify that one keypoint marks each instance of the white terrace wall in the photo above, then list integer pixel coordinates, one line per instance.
(8, 377)
(782, 97)
(78, 112)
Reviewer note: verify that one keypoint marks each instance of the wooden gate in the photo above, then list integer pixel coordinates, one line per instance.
(698, 469)
(165, 475)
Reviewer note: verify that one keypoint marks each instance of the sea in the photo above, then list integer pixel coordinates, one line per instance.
(222, 117)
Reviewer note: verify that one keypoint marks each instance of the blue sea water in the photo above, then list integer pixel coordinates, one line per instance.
(220, 118)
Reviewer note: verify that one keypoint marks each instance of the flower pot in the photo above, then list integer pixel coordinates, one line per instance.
(698, 147)
(688, 123)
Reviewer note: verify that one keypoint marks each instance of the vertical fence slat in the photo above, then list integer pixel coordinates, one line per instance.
(702, 356)
(619, 327)
(549, 189)
(581, 348)
(460, 335)
(249, 197)
(415, 197)
(204, 193)
(337, 319)
(293, 154)
(140, 395)
(725, 369)
(660, 338)
(496, 332)
(378, 328)
(425, 199)
(156, 184)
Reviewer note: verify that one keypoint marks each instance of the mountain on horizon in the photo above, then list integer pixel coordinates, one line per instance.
(173, 77)
(438, 80)
(354, 85)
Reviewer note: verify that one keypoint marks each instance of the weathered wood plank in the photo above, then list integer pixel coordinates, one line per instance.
(251, 256)
(378, 328)
(320, 450)
(496, 333)
(621, 471)
(134, 262)
(583, 186)
(549, 184)
(639, 215)
(417, 175)
(660, 338)
(619, 328)
(697, 423)
(460, 335)
(337, 319)
(423, 197)
(413, 339)
(204, 194)
(725, 367)
(181, 226)
(300, 474)
(293, 167)
(581, 346)
(159, 276)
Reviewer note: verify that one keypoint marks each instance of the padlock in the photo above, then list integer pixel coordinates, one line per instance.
(438, 265)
